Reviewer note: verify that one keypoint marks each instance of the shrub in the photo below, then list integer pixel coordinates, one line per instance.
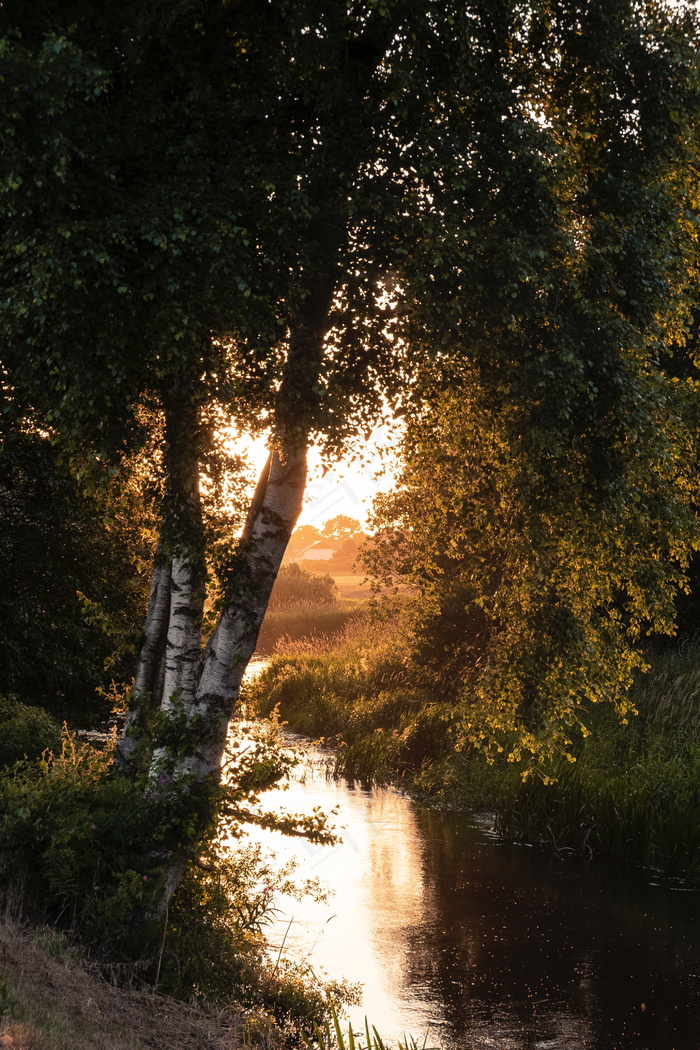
(297, 586)
(72, 843)
(80, 848)
(632, 793)
(25, 732)
(215, 939)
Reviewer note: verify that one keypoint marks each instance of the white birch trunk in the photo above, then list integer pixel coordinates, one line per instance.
(236, 635)
(195, 766)
(149, 662)
(183, 648)
(169, 663)
(184, 642)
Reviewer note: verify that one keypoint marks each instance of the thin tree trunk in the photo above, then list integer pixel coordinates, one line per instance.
(257, 563)
(149, 661)
(185, 536)
(183, 649)
(168, 666)
(273, 513)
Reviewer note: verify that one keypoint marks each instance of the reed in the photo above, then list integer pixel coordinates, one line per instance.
(307, 623)
(634, 791)
(333, 1037)
(356, 691)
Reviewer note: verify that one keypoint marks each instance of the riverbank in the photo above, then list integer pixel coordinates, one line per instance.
(52, 998)
(630, 795)
(69, 836)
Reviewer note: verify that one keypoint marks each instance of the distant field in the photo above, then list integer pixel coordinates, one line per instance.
(351, 586)
(358, 586)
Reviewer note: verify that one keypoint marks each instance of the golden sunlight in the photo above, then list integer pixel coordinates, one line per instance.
(347, 487)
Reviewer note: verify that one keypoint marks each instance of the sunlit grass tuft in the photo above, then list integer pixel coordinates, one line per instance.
(327, 1037)
(355, 691)
(307, 624)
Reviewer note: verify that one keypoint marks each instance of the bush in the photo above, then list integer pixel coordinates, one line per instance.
(297, 586)
(72, 602)
(633, 792)
(72, 843)
(25, 732)
(215, 938)
(81, 849)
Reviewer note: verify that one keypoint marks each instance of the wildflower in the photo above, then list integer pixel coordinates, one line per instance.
(145, 878)
(164, 779)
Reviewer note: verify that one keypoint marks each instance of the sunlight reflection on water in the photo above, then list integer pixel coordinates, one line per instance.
(362, 932)
(479, 945)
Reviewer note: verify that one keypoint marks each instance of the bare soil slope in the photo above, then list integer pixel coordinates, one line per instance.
(50, 1002)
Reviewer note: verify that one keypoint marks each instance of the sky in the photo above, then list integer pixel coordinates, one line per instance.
(347, 488)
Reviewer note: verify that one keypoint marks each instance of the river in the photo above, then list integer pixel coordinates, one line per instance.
(468, 942)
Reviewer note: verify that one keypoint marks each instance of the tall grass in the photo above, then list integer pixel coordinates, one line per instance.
(634, 792)
(307, 622)
(357, 691)
(333, 1037)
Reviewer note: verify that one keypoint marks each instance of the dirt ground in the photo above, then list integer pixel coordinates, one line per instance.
(50, 1002)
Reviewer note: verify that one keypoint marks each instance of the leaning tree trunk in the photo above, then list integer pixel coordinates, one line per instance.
(232, 644)
(273, 514)
(168, 666)
(150, 662)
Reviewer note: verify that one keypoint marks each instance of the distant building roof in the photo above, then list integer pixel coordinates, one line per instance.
(318, 551)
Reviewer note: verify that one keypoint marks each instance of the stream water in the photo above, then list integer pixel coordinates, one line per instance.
(472, 943)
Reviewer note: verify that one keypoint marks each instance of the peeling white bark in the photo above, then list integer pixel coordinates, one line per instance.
(149, 662)
(183, 648)
(184, 643)
(191, 749)
(234, 640)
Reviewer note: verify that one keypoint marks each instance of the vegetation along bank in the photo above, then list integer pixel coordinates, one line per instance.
(628, 792)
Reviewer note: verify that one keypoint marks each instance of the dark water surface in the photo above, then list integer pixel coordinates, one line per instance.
(479, 944)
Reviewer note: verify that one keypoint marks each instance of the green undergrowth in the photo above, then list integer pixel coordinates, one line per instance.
(357, 692)
(25, 731)
(324, 623)
(633, 793)
(80, 852)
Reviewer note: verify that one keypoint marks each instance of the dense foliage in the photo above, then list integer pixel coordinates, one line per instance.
(536, 594)
(297, 586)
(633, 794)
(25, 732)
(73, 595)
(81, 848)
